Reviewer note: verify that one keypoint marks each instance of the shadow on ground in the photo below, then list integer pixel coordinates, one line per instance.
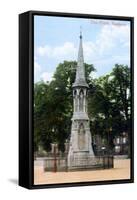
(14, 181)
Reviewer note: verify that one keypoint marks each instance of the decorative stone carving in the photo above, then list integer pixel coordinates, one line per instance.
(80, 149)
(81, 137)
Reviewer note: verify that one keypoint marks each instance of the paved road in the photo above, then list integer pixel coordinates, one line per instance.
(121, 170)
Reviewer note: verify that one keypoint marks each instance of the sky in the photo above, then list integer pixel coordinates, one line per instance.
(105, 43)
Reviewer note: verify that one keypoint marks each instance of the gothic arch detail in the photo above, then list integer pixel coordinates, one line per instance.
(81, 100)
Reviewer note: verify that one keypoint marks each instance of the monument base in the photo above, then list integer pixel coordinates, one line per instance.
(90, 163)
(83, 161)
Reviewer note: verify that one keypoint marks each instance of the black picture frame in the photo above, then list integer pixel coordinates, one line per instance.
(26, 81)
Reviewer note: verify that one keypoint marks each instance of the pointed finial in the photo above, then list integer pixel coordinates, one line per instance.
(80, 32)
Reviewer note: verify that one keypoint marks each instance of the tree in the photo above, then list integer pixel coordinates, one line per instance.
(53, 105)
(41, 106)
(109, 102)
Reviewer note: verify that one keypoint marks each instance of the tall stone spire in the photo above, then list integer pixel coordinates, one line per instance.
(80, 149)
(80, 79)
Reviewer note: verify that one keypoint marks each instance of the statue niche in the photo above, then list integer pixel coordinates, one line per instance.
(81, 137)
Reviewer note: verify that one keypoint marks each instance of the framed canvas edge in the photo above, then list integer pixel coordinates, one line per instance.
(31, 15)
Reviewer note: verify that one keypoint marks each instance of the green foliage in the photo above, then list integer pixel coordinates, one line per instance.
(108, 104)
(53, 106)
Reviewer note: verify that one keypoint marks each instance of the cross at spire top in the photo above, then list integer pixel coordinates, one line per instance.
(80, 32)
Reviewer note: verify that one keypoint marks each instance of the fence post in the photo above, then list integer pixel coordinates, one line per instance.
(55, 158)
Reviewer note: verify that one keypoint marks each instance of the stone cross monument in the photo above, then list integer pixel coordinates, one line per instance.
(80, 153)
